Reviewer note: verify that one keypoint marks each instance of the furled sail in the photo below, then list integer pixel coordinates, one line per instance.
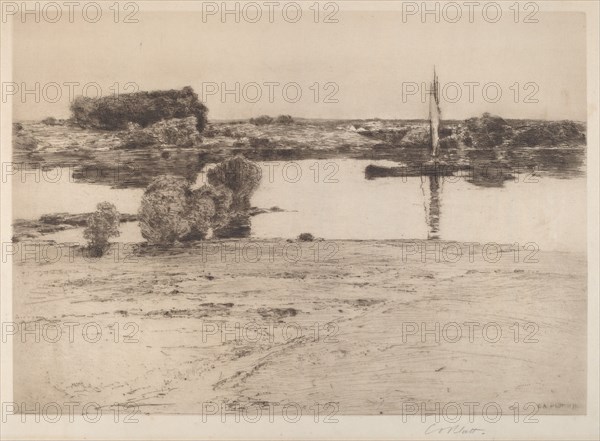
(434, 116)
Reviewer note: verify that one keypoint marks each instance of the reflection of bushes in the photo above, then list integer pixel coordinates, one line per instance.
(143, 108)
(388, 136)
(257, 143)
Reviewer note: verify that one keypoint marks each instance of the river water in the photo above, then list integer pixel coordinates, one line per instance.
(333, 200)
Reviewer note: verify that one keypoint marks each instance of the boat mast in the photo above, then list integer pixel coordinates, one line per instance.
(434, 115)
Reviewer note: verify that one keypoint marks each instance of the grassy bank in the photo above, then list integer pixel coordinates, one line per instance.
(559, 151)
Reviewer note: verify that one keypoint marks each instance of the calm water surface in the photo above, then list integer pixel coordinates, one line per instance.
(333, 200)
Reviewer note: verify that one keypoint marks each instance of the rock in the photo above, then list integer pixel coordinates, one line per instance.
(145, 108)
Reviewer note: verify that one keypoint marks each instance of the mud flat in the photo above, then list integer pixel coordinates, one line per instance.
(346, 322)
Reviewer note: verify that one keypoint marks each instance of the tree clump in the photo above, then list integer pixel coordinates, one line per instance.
(173, 211)
(239, 175)
(284, 119)
(261, 120)
(50, 121)
(179, 132)
(306, 237)
(101, 226)
(487, 131)
(266, 120)
(550, 133)
(143, 108)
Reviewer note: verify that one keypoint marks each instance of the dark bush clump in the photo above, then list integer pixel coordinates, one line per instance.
(306, 237)
(550, 133)
(143, 108)
(261, 120)
(284, 119)
(50, 121)
(180, 132)
(488, 131)
(448, 143)
(241, 176)
(172, 211)
(444, 132)
(101, 225)
(164, 210)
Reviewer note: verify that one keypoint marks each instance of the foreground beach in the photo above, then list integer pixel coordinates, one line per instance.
(370, 326)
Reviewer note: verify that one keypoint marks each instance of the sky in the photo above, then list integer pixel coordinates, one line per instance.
(369, 64)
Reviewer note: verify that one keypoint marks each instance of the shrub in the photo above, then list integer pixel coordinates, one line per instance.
(416, 136)
(261, 120)
(101, 225)
(284, 119)
(444, 131)
(143, 108)
(550, 133)
(171, 211)
(163, 214)
(306, 237)
(488, 131)
(448, 143)
(50, 121)
(180, 132)
(210, 207)
(210, 132)
(239, 175)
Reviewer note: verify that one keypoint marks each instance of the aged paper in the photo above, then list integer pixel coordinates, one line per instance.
(299, 220)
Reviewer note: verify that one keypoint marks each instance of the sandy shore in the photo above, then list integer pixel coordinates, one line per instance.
(366, 325)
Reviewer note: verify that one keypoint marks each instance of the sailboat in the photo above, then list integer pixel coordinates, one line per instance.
(434, 116)
(431, 171)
